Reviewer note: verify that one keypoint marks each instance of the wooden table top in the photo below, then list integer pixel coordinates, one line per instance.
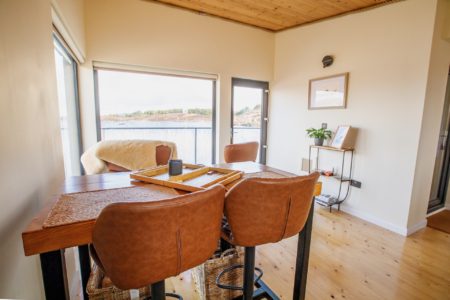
(37, 239)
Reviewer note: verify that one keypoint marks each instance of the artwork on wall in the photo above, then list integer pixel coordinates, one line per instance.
(344, 138)
(328, 92)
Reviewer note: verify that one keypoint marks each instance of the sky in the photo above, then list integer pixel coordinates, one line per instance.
(59, 62)
(127, 92)
(246, 97)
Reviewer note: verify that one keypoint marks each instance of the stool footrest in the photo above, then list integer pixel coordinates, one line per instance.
(172, 295)
(233, 287)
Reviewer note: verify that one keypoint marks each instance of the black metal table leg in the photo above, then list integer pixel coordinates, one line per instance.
(85, 267)
(249, 271)
(301, 265)
(158, 290)
(53, 266)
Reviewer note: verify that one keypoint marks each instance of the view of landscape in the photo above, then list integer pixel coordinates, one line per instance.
(177, 109)
(246, 117)
(190, 129)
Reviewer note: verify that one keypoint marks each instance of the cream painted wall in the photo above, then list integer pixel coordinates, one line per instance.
(387, 51)
(30, 154)
(434, 102)
(71, 13)
(149, 34)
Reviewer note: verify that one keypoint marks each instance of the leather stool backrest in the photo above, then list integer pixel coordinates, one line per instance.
(163, 154)
(241, 152)
(267, 210)
(137, 244)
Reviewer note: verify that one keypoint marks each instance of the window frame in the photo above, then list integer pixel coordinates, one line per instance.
(59, 40)
(160, 72)
(264, 86)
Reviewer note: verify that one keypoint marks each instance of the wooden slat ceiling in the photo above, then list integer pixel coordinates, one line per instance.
(274, 15)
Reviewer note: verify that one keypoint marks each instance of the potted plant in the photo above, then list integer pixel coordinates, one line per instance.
(319, 135)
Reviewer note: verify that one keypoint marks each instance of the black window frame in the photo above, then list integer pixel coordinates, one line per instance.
(264, 85)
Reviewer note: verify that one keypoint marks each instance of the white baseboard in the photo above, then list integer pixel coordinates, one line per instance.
(405, 231)
(369, 218)
(416, 227)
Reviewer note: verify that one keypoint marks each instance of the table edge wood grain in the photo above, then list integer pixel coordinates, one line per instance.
(37, 239)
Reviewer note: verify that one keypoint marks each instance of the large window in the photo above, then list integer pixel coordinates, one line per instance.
(139, 105)
(67, 87)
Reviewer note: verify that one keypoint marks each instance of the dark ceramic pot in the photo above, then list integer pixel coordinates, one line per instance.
(318, 142)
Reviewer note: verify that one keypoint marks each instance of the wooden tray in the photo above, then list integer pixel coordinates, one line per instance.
(194, 177)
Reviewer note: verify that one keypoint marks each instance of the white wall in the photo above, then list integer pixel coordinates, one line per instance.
(149, 34)
(30, 153)
(432, 115)
(387, 51)
(69, 20)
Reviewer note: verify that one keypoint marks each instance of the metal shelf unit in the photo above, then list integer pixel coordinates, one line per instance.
(343, 179)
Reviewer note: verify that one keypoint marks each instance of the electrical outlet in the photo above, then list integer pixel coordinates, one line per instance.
(305, 164)
(355, 183)
(324, 125)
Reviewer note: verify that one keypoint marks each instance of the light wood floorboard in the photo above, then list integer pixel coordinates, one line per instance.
(353, 259)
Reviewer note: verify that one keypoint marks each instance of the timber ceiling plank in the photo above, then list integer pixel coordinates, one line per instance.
(274, 15)
(215, 8)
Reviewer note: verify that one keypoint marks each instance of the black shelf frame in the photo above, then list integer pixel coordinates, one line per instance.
(341, 178)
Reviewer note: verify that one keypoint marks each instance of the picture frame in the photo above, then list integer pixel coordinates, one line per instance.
(328, 92)
(344, 137)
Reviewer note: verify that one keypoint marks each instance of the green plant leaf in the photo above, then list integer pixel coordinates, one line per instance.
(319, 133)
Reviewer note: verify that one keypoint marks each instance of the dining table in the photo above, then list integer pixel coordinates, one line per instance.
(49, 238)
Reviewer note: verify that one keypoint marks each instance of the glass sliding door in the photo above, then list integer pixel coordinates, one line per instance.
(249, 114)
(67, 86)
(441, 174)
(140, 105)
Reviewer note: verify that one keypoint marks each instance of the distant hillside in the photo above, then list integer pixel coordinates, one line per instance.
(246, 117)
(196, 114)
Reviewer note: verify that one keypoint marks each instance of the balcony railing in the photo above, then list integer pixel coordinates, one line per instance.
(194, 144)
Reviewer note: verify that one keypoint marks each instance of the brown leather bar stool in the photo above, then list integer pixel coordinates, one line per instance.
(143, 243)
(241, 152)
(261, 211)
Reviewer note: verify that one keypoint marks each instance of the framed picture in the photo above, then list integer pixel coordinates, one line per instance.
(328, 92)
(344, 138)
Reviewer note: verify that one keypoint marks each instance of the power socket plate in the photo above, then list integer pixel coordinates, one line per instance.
(355, 183)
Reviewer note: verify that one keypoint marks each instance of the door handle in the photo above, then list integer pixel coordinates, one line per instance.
(444, 141)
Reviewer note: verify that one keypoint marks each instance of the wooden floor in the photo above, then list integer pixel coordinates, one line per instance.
(353, 259)
(440, 221)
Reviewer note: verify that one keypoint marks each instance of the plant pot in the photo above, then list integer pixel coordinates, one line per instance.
(318, 142)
